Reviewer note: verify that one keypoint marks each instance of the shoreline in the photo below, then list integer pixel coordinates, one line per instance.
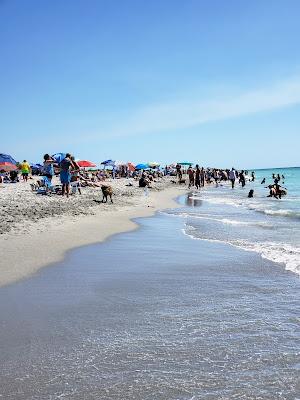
(48, 240)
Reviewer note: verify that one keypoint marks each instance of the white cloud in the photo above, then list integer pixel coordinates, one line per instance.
(186, 113)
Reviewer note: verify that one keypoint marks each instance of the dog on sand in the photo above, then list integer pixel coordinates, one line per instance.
(106, 192)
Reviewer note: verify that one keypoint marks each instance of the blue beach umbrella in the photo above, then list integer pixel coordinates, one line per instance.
(7, 158)
(58, 157)
(36, 166)
(142, 166)
(110, 163)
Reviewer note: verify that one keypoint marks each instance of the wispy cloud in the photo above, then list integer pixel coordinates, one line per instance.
(186, 113)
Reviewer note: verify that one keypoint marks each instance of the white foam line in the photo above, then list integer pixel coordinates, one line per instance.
(277, 252)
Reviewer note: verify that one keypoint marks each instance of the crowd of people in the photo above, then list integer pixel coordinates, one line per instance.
(73, 177)
(275, 189)
(199, 177)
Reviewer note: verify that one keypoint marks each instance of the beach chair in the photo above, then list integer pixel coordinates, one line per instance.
(75, 187)
(46, 187)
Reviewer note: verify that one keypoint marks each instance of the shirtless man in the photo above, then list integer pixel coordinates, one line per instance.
(191, 174)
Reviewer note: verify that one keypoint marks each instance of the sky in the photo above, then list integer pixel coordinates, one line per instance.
(208, 81)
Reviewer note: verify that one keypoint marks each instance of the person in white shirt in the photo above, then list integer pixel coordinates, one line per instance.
(232, 177)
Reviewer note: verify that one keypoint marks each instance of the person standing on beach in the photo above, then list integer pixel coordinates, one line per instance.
(65, 173)
(197, 177)
(202, 177)
(232, 177)
(179, 172)
(191, 174)
(48, 169)
(25, 169)
(242, 178)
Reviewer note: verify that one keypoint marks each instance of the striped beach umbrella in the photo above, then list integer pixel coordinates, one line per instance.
(7, 166)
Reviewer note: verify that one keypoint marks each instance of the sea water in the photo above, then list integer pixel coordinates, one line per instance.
(268, 226)
(152, 315)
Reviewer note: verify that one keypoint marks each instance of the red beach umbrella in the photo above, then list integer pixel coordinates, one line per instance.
(86, 164)
(7, 166)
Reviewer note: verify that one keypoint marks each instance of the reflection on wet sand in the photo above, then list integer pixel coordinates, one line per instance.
(192, 201)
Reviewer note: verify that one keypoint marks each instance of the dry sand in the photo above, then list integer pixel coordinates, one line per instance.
(37, 230)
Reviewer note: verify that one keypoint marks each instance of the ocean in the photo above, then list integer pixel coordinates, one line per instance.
(265, 225)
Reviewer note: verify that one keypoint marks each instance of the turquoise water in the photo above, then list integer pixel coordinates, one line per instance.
(291, 182)
(265, 225)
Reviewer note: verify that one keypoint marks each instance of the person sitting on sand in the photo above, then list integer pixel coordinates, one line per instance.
(144, 181)
(13, 175)
(251, 193)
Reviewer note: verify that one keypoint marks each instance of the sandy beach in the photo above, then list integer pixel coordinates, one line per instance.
(38, 230)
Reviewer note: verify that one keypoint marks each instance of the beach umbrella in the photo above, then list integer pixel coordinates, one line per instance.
(86, 164)
(185, 163)
(36, 165)
(110, 163)
(153, 164)
(141, 166)
(119, 163)
(58, 157)
(7, 158)
(7, 166)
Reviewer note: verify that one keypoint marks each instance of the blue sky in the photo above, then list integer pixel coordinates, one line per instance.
(215, 82)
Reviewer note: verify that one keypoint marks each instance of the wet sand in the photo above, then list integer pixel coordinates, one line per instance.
(152, 314)
(35, 240)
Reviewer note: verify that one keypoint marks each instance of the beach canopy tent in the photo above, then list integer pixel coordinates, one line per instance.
(58, 157)
(185, 163)
(7, 158)
(7, 166)
(108, 163)
(86, 164)
(141, 166)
